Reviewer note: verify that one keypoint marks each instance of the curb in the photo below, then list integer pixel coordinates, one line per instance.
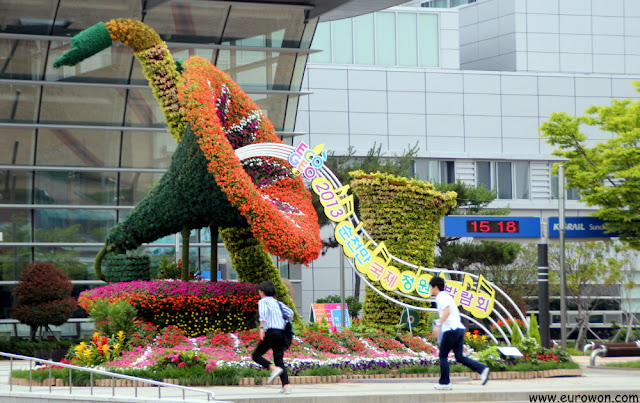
(305, 380)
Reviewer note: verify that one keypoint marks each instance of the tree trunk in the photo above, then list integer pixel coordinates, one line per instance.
(185, 233)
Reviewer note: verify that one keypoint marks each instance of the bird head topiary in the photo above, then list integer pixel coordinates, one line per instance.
(207, 184)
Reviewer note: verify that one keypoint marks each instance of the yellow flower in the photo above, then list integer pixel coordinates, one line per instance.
(87, 353)
(121, 336)
(468, 335)
(81, 347)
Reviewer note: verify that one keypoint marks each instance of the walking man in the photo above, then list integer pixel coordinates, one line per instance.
(452, 331)
(272, 314)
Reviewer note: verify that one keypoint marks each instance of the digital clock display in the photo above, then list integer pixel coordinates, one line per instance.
(493, 226)
(490, 226)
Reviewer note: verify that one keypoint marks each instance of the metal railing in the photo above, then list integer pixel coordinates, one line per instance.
(210, 395)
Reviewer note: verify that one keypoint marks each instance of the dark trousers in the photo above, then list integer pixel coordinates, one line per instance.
(453, 340)
(274, 340)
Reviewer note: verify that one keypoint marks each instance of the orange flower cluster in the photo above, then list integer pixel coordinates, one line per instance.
(294, 237)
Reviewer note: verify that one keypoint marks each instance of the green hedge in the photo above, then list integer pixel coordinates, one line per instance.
(124, 268)
(405, 214)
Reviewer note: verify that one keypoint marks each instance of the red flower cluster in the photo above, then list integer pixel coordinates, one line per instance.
(295, 237)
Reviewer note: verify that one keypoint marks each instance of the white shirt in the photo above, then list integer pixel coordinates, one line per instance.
(272, 313)
(453, 322)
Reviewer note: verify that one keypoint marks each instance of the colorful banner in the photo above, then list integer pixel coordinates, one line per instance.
(478, 299)
(330, 313)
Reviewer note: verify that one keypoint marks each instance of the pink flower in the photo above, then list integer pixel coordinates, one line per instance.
(196, 358)
(209, 367)
(182, 365)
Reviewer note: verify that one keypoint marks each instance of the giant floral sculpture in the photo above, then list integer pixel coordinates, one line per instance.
(207, 185)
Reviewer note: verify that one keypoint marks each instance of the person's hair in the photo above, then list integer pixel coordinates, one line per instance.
(267, 288)
(437, 282)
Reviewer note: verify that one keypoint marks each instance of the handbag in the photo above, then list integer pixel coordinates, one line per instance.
(288, 329)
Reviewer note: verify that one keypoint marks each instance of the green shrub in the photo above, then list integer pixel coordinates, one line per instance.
(534, 331)
(110, 318)
(321, 371)
(124, 268)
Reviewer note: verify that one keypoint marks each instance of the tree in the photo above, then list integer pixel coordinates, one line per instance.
(606, 174)
(44, 297)
(589, 266)
(628, 276)
(457, 255)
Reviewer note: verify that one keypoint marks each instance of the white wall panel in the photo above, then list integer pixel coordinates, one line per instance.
(576, 43)
(593, 86)
(367, 80)
(445, 125)
(613, 8)
(607, 25)
(556, 85)
(576, 63)
(519, 105)
(329, 100)
(368, 123)
(581, 7)
(482, 104)
(407, 124)
(519, 84)
(608, 44)
(328, 122)
(368, 101)
(327, 78)
(483, 145)
(517, 146)
(481, 83)
(549, 104)
(444, 82)
(445, 144)
(542, 6)
(539, 61)
(406, 102)
(575, 24)
(542, 23)
(608, 64)
(405, 81)
(444, 104)
(520, 127)
(482, 126)
(543, 42)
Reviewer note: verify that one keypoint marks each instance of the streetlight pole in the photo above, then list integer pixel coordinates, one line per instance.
(563, 275)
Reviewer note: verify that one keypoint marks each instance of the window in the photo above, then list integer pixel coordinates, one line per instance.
(571, 193)
(435, 171)
(509, 179)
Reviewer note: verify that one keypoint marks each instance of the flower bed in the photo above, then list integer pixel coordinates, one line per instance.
(224, 358)
(195, 307)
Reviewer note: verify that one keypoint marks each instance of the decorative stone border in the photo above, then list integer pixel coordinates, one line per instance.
(299, 380)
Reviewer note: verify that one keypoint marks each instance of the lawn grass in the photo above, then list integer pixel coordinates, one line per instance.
(630, 364)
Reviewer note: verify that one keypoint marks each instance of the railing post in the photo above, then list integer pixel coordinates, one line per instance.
(30, 375)
(113, 386)
(91, 382)
(50, 369)
(70, 381)
(11, 374)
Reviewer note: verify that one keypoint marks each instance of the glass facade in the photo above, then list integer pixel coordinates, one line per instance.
(383, 39)
(81, 145)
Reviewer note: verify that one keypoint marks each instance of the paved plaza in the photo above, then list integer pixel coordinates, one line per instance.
(599, 384)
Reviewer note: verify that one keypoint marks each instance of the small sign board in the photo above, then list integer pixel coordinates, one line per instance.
(510, 351)
(330, 313)
(579, 227)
